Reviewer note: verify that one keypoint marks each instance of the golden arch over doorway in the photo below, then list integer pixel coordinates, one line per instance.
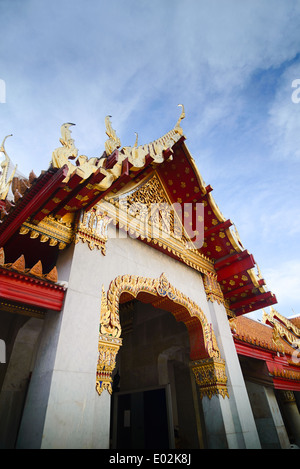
(204, 352)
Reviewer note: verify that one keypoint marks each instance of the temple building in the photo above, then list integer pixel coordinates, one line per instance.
(124, 295)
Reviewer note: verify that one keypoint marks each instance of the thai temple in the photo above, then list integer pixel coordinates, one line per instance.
(124, 301)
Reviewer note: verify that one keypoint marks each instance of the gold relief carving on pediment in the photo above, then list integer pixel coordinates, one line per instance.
(144, 211)
(149, 205)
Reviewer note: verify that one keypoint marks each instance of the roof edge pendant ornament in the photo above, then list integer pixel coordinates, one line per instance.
(5, 181)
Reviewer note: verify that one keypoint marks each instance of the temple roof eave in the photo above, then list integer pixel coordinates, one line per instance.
(234, 265)
(71, 188)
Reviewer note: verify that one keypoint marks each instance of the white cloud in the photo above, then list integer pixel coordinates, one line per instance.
(284, 121)
(284, 280)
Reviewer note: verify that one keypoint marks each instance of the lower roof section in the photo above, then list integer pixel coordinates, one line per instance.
(21, 289)
(261, 342)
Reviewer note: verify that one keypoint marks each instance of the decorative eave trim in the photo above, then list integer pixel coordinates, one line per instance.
(30, 291)
(15, 308)
(31, 202)
(49, 230)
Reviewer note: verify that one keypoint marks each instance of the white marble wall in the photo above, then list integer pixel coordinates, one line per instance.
(63, 409)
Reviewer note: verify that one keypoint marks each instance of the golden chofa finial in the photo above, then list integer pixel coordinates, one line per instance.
(177, 127)
(65, 133)
(113, 141)
(4, 181)
(68, 151)
(2, 148)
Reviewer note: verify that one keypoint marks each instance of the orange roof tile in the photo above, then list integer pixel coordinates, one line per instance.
(258, 334)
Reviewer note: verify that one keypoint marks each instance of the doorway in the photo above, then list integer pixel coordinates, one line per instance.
(143, 420)
(153, 404)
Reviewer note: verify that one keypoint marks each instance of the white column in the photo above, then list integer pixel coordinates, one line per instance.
(16, 380)
(63, 409)
(267, 415)
(238, 420)
(292, 415)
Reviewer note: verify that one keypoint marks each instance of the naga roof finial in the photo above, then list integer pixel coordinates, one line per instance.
(177, 127)
(113, 141)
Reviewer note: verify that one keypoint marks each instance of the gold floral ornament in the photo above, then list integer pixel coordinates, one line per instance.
(107, 352)
(5, 181)
(50, 230)
(211, 377)
(108, 346)
(212, 289)
(92, 229)
(110, 331)
(109, 319)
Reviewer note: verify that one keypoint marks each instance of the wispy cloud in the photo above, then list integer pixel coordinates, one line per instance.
(284, 121)
(285, 281)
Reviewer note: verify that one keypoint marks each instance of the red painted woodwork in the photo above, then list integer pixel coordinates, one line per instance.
(63, 194)
(236, 267)
(274, 363)
(27, 290)
(221, 226)
(31, 202)
(230, 258)
(268, 299)
(247, 301)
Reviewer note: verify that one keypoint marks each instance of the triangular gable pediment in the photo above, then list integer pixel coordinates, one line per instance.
(148, 210)
(145, 211)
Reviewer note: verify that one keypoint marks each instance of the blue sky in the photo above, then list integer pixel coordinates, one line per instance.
(230, 62)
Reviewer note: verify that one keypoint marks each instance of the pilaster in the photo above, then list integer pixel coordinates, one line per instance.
(292, 414)
(235, 411)
(63, 409)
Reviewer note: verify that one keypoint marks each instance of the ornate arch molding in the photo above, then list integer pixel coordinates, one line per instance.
(206, 361)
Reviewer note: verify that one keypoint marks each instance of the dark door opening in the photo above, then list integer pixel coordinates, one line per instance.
(142, 420)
